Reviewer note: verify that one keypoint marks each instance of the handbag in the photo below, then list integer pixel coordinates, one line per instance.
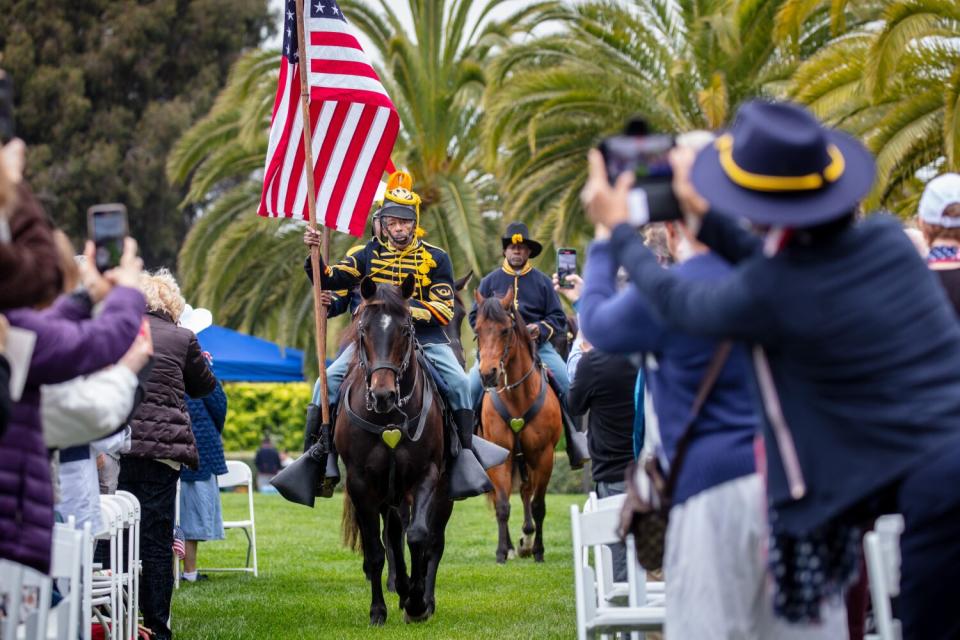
(650, 487)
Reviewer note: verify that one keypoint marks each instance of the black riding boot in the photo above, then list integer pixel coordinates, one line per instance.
(467, 477)
(312, 432)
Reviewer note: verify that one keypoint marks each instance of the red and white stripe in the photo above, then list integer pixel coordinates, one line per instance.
(354, 126)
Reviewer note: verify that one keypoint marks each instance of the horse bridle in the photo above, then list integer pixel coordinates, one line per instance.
(504, 357)
(378, 365)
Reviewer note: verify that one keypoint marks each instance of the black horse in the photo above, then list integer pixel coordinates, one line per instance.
(390, 436)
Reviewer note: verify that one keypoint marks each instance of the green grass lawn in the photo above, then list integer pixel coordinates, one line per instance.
(311, 587)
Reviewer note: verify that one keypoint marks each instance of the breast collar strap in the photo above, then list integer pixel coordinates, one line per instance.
(377, 429)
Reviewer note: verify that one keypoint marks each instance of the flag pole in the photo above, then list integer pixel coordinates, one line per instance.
(319, 310)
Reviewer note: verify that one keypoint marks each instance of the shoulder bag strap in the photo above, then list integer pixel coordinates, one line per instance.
(706, 386)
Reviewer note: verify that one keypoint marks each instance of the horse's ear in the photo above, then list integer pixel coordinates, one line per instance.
(407, 286)
(507, 300)
(368, 288)
(462, 282)
(478, 297)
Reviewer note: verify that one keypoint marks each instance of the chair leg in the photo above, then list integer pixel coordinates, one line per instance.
(246, 532)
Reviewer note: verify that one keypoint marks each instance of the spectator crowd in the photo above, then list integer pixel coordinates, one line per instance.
(100, 390)
(789, 360)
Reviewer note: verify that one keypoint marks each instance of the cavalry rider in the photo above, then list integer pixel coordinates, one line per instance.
(539, 306)
(534, 297)
(400, 253)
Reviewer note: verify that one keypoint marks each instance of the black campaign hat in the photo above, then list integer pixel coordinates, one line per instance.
(778, 165)
(517, 233)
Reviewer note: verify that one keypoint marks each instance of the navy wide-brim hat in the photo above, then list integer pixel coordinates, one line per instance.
(778, 165)
(517, 233)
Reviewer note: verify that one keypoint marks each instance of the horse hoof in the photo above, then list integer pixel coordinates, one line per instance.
(512, 554)
(378, 619)
(538, 557)
(525, 552)
(423, 617)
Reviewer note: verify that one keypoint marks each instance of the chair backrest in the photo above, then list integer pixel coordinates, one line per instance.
(238, 473)
(65, 565)
(882, 553)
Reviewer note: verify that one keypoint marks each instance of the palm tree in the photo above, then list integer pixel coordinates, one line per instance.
(436, 76)
(682, 64)
(895, 83)
(246, 269)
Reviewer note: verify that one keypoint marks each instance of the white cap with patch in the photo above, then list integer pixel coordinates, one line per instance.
(940, 193)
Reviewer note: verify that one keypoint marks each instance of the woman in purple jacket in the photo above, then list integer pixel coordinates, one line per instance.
(69, 344)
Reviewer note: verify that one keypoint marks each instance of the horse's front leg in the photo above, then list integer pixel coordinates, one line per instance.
(418, 539)
(529, 529)
(397, 579)
(368, 520)
(501, 477)
(443, 508)
(539, 479)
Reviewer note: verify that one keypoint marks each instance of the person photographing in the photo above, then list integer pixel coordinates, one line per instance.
(830, 308)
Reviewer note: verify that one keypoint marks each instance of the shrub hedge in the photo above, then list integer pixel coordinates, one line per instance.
(255, 410)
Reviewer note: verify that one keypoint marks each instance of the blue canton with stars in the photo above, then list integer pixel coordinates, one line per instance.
(325, 9)
(318, 9)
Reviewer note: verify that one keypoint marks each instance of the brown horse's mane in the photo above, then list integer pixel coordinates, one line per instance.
(491, 309)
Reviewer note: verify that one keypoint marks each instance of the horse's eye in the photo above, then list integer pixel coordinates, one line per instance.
(504, 332)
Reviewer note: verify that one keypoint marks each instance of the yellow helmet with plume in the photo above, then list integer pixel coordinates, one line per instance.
(400, 201)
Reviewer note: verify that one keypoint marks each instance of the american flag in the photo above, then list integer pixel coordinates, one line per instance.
(179, 544)
(354, 124)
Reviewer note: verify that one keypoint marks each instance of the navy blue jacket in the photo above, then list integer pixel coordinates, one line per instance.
(862, 343)
(535, 298)
(432, 303)
(207, 417)
(721, 448)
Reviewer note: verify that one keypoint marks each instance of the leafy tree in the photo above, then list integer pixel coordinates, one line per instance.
(233, 262)
(105, 87)
(681, 64)
(895, 83)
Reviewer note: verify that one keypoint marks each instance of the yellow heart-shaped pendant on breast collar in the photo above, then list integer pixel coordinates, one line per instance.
(391, 437)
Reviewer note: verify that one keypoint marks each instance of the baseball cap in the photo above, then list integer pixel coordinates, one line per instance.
(940, 193)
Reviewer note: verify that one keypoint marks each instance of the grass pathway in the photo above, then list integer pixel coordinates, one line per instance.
(311, 587)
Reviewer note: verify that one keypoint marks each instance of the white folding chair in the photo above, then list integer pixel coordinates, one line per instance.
(65, 564)
(881, 548)
(130, 580)
(239, 474)
(11, 592)
(593, 615)
(608, 590)
(105, 585)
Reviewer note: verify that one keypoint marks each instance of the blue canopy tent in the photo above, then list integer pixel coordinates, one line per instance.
(239, 357)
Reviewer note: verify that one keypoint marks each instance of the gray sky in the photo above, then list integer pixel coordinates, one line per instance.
(505, 9)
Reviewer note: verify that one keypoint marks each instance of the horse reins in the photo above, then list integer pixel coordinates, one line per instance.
(379, 365)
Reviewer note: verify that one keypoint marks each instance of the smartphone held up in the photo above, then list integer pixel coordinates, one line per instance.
(107, 227)
(646, 156)
(566, 266)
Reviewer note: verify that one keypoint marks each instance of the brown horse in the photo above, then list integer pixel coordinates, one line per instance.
(390, 436)
(513, 381)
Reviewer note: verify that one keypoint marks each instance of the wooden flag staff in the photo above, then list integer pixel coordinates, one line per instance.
(319, 310)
